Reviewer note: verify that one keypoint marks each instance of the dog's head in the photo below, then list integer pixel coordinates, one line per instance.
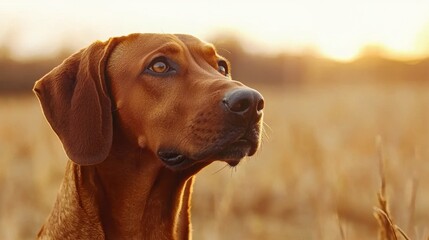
(171, 95)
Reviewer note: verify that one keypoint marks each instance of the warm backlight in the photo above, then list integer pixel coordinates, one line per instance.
(334, 28)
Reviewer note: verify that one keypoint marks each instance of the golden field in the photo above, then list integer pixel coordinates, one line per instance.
(315, 177)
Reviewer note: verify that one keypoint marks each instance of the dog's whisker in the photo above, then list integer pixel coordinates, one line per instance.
(222, 168)
(265, 130)
(233, 170)
(226, 50)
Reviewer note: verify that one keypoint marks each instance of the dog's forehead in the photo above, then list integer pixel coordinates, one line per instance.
(195, 44)
(150, 41)
(190, 40)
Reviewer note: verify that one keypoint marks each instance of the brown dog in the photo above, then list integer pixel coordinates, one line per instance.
(139, 116)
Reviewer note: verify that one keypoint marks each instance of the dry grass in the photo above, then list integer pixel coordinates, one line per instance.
(387, 229)
(316, 176)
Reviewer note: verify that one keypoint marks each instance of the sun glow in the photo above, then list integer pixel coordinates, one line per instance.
(335, 29)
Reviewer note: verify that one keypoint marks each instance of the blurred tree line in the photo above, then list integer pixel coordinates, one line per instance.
(309, 68)
(19, 76)
(282, 69)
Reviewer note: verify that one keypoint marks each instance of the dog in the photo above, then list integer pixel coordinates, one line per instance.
(139, 116)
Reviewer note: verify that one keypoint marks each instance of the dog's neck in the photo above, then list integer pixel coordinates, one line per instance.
(140, 197)
(132, 195)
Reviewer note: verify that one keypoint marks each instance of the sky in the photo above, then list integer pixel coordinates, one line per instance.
(337, 29)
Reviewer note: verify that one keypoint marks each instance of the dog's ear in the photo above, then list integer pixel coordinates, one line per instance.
(75, 100)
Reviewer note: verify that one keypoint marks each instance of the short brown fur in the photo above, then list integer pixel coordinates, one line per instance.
(113, 118)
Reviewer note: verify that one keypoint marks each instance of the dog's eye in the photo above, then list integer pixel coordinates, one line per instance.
(159, 67)
(222, 70)
(223, 67)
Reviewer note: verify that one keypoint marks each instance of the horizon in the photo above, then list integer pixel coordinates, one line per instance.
(334, 29)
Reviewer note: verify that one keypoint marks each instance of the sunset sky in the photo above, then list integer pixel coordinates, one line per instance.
(337, 29)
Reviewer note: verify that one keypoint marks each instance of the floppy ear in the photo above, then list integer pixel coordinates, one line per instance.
(75, 100)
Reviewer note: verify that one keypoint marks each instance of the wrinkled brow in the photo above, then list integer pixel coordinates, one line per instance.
(169, 48)
(208, 50)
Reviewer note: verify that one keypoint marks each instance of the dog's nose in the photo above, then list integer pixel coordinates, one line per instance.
(245, 102)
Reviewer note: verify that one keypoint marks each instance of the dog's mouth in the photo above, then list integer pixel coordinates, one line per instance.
(233, 153)
(171, 158)
(230, 152)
